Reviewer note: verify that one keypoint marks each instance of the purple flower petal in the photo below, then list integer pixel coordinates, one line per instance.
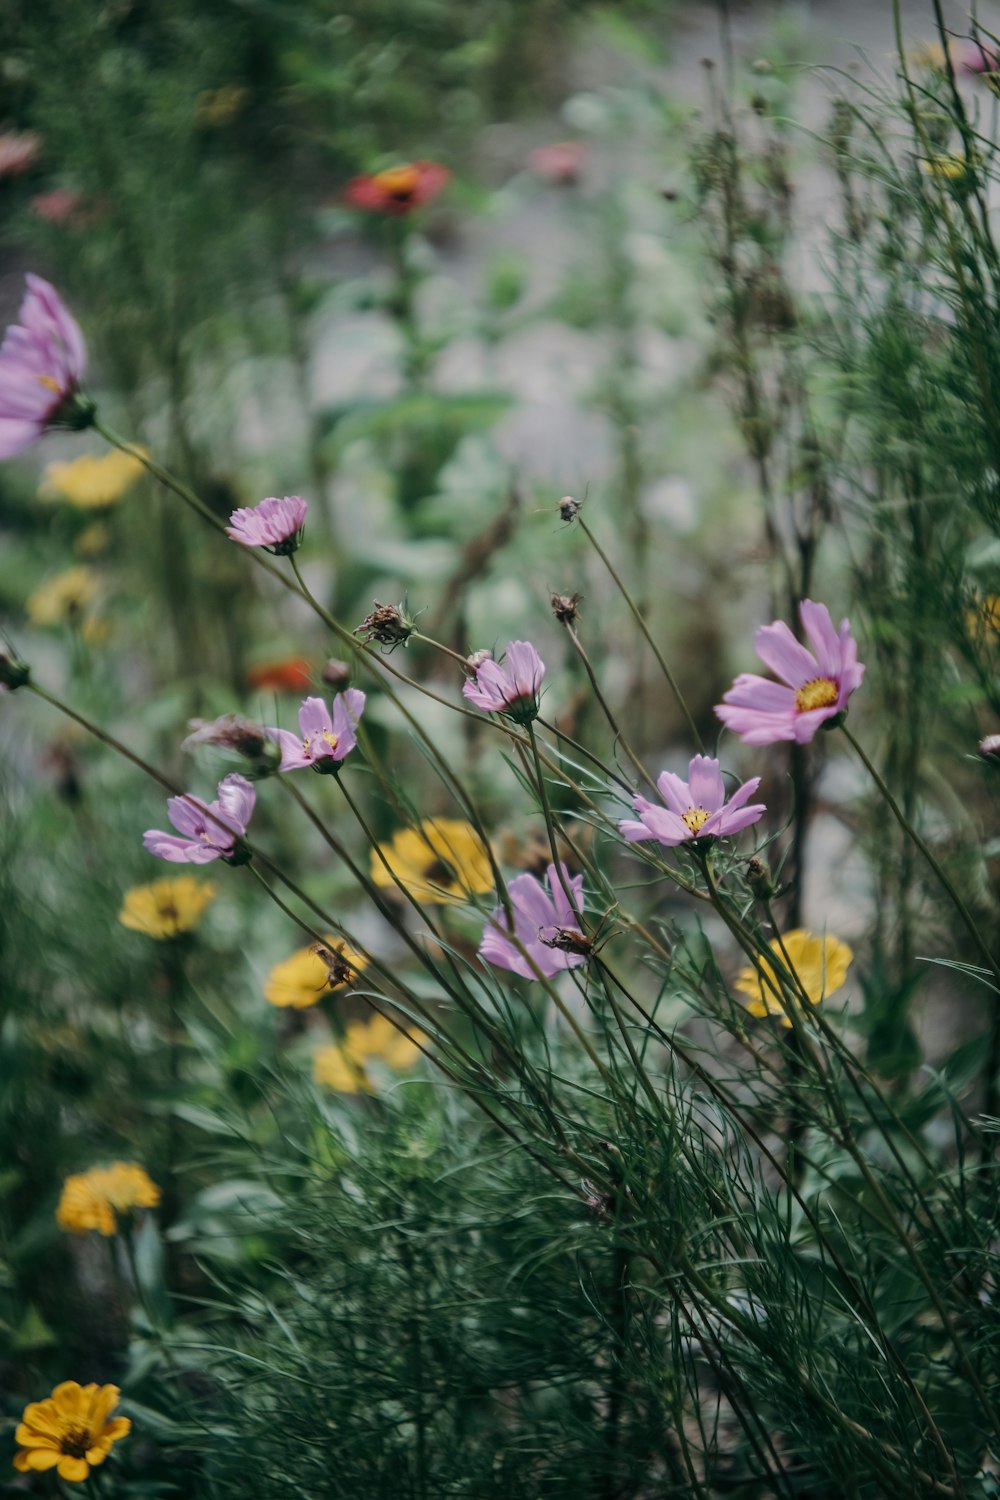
(787, 658)
(705, 784)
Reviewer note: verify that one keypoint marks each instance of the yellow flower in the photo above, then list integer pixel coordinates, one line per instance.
(92, 481)
(70, 1431)
(168, 907)
(951, 167)
(377, 1040)
(984, 618)
(91, 1200)
(310, 973)
(821, 964)
(63, 597)
(217, 107)
(443, 860)
(930, 55)
(93, 540)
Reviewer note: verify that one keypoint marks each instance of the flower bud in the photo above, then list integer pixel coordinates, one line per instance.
(989, 748)
(13, 673)
(336, 674)
(760, 880)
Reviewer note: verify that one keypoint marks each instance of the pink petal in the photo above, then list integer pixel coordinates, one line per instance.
(178, 851)
(314, 719)
(705, 783)
(728, 820)
(347, 710)
(237, 799)
(751, 691)
(826, 643)
(781, 652)
(675, 793)
(293, 756)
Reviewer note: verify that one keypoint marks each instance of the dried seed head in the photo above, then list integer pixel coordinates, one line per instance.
(569, 508)
(386, 624)
(564, 608)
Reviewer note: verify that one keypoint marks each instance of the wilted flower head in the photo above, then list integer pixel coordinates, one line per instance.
(569, 508)
(511, 689)
(813, 688)
(398, 190)
(228, 732)
(564, 607)
(546, 921)
(386, 624)
(92, 481)
(210, 830)
(96, 1199)
(336, 674)
(293, 674)
(310, 973)
(695, 809)
(325, 739)
(42, 361)
(71, 1431)
(562, 162)
(276, 525)
(345, 1068)
(820, 963)
(442, 860)
(166, 908)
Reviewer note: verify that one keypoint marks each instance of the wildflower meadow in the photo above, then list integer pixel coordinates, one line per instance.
(500, 725)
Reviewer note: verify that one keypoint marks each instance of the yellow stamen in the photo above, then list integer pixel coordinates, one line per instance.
(819, 692)
(49, 383)
(331, 739)
(398, 182)
(696, 818)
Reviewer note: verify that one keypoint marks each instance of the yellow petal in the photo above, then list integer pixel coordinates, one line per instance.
(73, 1469)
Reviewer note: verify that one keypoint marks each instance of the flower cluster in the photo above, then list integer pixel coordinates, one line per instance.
(345, 1067)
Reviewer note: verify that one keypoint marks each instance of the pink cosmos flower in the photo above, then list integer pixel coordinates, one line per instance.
(813, 688)
(509, 689)
(42, 361)
(546, 924)
(276, 525)
(210, 830)
(325, 739)
(562, 162)
(696, 808)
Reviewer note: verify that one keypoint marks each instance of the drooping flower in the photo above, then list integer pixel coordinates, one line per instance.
(42, 362)
(398, 190)
(92, 481)
(210, 830)
(63, 599)
(511, 689)
(98, 1198)
(443, 860)
(71, 1431)
(229, 732)
(813, 688)
(325, 739)
(821, 964)
(547, 918)
(345, 1067)
(695, 809)
(166, 908)
(310, 973)
(387, 624)
(293, 674)
(276, 525)
(562, 162)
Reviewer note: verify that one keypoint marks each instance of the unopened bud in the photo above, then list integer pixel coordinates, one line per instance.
(386, 624)
(759, 878)
(569, 508)
(336, 674)
(564, 608)
(13, 673)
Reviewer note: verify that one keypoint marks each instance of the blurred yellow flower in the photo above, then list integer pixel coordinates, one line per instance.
(93, 540)
(310, 973)
(92, 481)
(952, 167)
(930, 55)
(377, 1040)
(984, 618)
(71, 1431)
(443, 860)
(166, 908)
(821, 964)
(217, 107)
(91, 1200)
(63, 597)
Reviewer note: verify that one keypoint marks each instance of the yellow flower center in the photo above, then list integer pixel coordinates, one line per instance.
(398, 182)
(331, 739)
(819, 692)
(696, 818)
(49, 383)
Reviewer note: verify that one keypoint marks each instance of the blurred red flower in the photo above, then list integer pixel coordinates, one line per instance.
(398, 190)
(291, 675)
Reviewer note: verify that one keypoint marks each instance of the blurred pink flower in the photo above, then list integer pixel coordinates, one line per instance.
(509, 689)
(561, 162)
(276, 525)
(325, 739)
(695, 809)
(977, 59)
(398, 190)
(42, 361)
(210, 830)
(813, 688)
(546, 925)
(19, 150)
(59, 206)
